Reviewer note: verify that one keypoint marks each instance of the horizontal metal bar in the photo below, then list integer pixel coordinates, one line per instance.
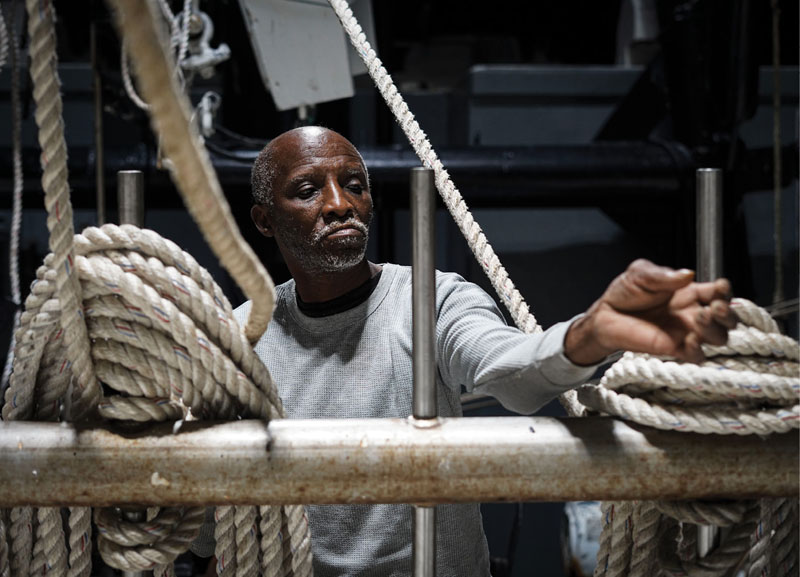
(385, 461)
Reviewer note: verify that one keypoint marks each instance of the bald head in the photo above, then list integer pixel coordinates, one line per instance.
(286, 149)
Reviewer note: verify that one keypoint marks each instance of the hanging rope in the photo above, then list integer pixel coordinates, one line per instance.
(749, 386)
(16, 210)
(476, 240)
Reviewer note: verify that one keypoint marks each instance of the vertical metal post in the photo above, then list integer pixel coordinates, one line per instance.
(423, 213)
(130, 197)
(130, 202)
(708, 185)
(709, 223)
(424, 541)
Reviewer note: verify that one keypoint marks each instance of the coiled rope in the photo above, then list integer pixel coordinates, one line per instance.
(155, 329)
(749, 386)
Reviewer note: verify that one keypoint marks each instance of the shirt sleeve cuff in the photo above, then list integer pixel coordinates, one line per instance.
(555, 366)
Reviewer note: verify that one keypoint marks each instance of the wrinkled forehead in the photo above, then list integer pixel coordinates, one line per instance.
(296, 149)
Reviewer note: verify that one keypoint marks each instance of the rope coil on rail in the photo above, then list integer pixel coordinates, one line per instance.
(124, 306)
(749, 386)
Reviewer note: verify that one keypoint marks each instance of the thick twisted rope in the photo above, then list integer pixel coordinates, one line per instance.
(46, 94)
(750, 385)
(132, 546)
(476, 240)
(755, 392)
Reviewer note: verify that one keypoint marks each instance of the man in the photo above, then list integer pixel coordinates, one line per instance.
(339, 344)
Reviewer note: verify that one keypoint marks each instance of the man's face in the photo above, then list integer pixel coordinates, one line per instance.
(321, 206)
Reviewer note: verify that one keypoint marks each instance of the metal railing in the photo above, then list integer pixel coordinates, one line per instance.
(469, 459)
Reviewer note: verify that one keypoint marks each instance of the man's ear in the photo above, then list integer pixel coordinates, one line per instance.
(260, 216)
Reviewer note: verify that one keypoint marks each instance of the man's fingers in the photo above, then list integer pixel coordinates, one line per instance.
(655, 278)
(722, 313)
(691, 351)
(719, 289)
(708, 329)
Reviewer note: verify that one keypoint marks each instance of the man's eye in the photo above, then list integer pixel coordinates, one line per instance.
(355, 187)
(306, 192)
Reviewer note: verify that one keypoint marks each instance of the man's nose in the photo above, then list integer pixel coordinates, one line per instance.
(336, 203)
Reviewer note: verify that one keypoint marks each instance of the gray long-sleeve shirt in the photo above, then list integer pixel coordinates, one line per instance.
(357, 364)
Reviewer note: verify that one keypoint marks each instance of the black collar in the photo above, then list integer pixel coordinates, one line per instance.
(341, 303)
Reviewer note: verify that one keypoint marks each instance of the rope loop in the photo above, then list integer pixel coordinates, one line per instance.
(140, 546)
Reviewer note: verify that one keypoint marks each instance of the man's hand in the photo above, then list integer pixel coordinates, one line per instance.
(656, 310)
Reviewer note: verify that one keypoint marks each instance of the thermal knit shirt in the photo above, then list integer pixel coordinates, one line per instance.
(356, 363)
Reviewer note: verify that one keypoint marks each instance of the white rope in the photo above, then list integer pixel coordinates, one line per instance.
(16, 211)
(127, 81)
(132, 546)
(476, 240)
(758, 393)
(46, 93)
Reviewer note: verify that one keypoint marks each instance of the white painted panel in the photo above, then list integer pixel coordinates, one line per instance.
(301, 51)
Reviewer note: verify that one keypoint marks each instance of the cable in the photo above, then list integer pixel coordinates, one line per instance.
(229, 154)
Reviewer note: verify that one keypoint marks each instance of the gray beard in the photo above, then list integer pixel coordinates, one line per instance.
(316, 257)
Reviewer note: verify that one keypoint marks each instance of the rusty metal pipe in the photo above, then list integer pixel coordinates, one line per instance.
(385, 461)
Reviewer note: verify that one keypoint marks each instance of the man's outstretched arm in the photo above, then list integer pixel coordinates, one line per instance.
(653, 309)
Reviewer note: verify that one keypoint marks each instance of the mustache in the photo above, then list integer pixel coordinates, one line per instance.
(339, 225)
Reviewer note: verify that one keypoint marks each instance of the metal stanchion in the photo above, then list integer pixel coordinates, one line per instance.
(708, 185)
(423, 209)
(130, 197)
(130, 202)
(709, 223)
(423, 213)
